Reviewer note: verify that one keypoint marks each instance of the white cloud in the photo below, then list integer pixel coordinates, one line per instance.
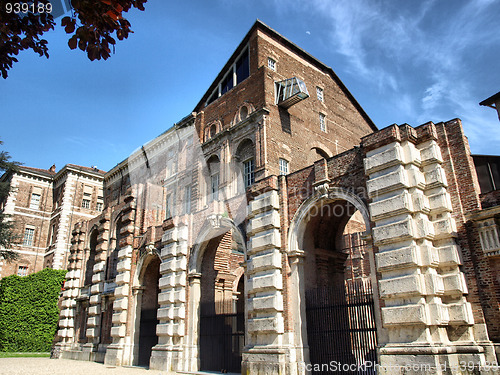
(424, 56)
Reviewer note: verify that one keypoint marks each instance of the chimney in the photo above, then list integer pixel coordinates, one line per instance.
(53, 168)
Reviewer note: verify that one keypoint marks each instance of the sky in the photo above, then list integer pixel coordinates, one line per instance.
(404, 62)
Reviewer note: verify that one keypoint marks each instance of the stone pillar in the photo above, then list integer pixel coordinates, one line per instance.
(168, 354)
(97, 287)
(426, 314)
(298, 294)
(119, 352)
(192, 359)
(66, 331)
(265, 352)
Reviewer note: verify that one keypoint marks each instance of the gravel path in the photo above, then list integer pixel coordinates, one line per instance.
(47, 366)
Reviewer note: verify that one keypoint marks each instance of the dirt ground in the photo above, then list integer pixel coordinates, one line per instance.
(47, 366)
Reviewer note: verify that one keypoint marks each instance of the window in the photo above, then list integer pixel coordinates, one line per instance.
(234, 75)
(35, 201)
(271, 64)
(53, 234)
(213, 164)
(214, 187)
(187, 200)
(100, 200)
(22, 271)
(242, 67)
(319, 93)
(29, 234)
(322, 122)
(227, 83)
(36, 194)
(213, 131)
(87, 196)
(248, 172)
(169, 206)
(284, 167)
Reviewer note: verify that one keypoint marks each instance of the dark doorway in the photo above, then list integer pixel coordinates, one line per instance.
(149, 309)
(222, 305)
(339, 298)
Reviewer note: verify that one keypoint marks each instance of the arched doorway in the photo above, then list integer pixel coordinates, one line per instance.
(336, 287)
(222, 317)
(148, 319)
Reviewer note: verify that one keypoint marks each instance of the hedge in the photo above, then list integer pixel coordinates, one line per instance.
(29, 311)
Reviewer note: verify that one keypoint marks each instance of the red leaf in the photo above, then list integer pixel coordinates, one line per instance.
(70, 27)
(72, 42)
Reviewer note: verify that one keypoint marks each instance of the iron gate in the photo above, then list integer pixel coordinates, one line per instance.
(341, 329)
(222, 336)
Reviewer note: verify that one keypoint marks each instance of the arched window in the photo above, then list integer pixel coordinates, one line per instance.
(245, 154)
(213, 131)
(89, 268)
(213, 165)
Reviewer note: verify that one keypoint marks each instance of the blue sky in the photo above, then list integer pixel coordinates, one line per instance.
(404, 61)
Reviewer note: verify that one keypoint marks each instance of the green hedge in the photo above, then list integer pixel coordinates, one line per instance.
(29, 311)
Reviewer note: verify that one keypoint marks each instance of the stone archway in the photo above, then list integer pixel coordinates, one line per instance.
(332, 271)
(216, 297)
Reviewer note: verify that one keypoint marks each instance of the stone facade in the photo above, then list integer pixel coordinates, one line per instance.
(255, 203)
(44, 206)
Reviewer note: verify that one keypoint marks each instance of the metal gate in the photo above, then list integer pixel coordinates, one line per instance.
(222, 337)
(341, 329)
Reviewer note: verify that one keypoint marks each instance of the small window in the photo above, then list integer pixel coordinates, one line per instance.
(271, 64)
(35, 201)
(242, 67)
(212, 132)
(53, 234)
(319, 93)
(249, 172)
(85, 203)
(99, 206)
(284, 167)
(169, 206)
(187, 200)
(22, 271)
(29, 234)
(214, 187)
(243, 113)
(322, 122)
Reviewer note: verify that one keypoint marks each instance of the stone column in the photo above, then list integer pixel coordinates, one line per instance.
(66, 331)
(265, 352)
(192, 362)
(168, 354)
(418, 260)
(298, 307)
(97, 287)
(119, 352)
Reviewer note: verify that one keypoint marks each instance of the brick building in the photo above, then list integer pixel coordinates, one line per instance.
(275, 229)
(44, 206)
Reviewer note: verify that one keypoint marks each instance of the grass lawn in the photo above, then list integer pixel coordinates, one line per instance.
(13, 355)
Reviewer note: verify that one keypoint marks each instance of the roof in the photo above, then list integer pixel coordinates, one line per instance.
(88, 169)
(259, 25)
(45, 172)
(50, 173)
(491, 100)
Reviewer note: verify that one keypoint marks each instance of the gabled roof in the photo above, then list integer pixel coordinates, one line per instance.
(259, 25)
